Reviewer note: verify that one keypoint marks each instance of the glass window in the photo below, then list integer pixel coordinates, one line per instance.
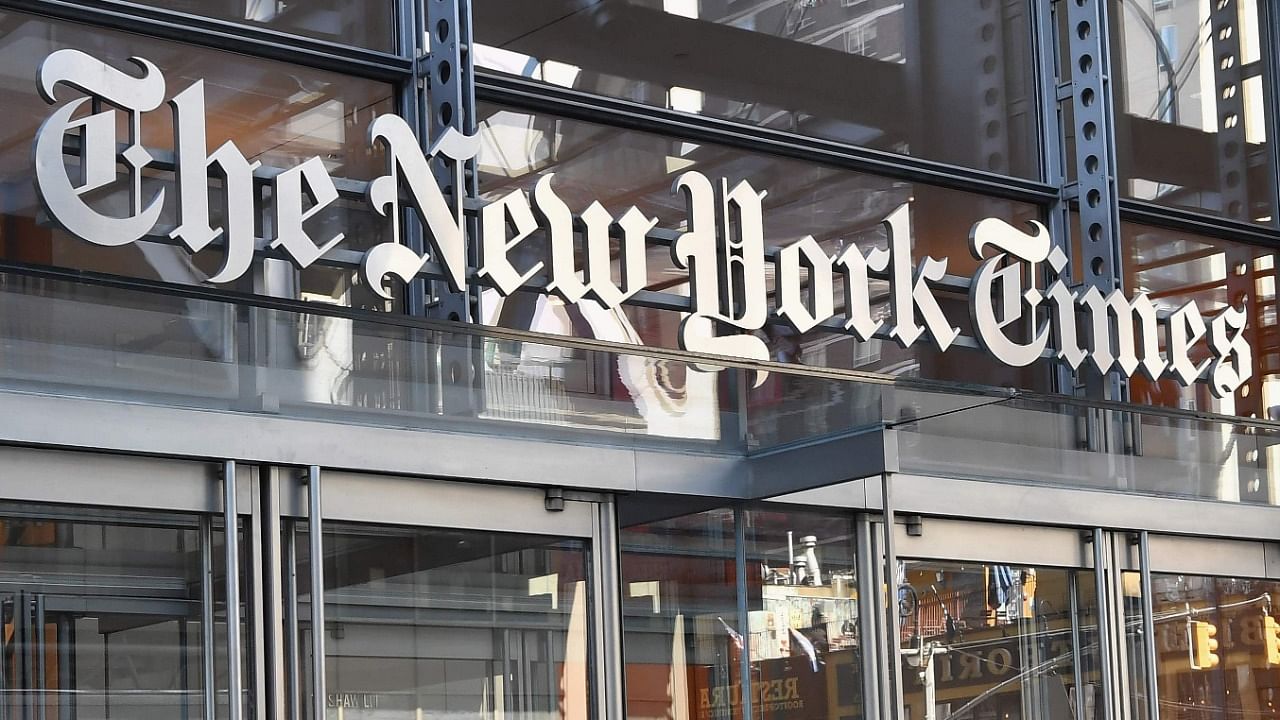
(278, 114)
(451, 623)
(682, 636)
(1191, 116)
(997, 641)
(1175, 268)
(367, 24)
(802, 613)
(102, 618)
(948, 81)
(839, 208)
(1192, 613)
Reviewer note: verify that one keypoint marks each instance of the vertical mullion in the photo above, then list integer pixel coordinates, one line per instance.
(314, 530)
(893, 620)
(293, 658)
(207, 643)
(744, 629)
(1101, 571)
(231, 543)
(868, 630)
(268, 563)
(1148, 626)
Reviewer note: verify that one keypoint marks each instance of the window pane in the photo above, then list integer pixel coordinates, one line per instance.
(837, 207)
(103, 619)
(451, 623)
(367, 24)
(1190, 610)
(802, 611)
(1191, 108)
(278, 114)
(950, 81)
(682, 636)
(997, 641)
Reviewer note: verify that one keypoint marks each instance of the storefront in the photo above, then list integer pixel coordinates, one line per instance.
(571, 359)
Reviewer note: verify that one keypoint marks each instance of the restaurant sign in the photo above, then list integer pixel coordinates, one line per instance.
(1021, 309)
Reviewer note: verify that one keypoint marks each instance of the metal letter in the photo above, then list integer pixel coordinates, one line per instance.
(192, 179)
(711, 290)
(311, 178)
(909, 292)
(1114, 307)
(994, 275)
(408, 166)
(804, 313)
(494, 244)
(1184, 328)
(857, 288)
(1234, 362)
(58, 194)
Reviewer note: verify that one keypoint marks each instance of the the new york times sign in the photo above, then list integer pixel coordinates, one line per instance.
(721, 245)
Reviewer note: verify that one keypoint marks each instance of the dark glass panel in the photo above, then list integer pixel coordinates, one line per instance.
(367, 24)
(951, 81)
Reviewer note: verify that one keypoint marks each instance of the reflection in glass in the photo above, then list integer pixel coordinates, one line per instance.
(949, 81)
(997, 641)
(1242, 683)
(103, 619)
(451, 623)
(1176, 267)
(278, 114)
(1192, 111)
(683, 639)
(367, 24)
(802, 611)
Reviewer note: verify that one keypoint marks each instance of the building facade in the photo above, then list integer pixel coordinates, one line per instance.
(645, 359)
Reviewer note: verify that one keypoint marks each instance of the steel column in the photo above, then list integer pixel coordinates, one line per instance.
(1096, 189)
(273, 658)
(608, 611)
(868, 630)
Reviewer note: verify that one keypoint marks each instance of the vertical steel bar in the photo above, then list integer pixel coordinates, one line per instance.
(1148, 627)
(41, 647)
(206, 617)
(608, 605)
(231, 542)
(744, 630)
(891, 580)
(1105, 642)
(1119, 629)
(258, 657)
(315, 530)
(272, 574)
(869, 636)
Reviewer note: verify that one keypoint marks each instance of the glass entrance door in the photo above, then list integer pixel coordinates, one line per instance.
(450, 619)
(997, 622)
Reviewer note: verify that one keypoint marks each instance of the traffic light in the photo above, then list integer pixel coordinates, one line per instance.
(1271, 639)
(1203, 645)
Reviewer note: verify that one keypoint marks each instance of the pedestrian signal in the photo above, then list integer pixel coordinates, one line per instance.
(1204, 647)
